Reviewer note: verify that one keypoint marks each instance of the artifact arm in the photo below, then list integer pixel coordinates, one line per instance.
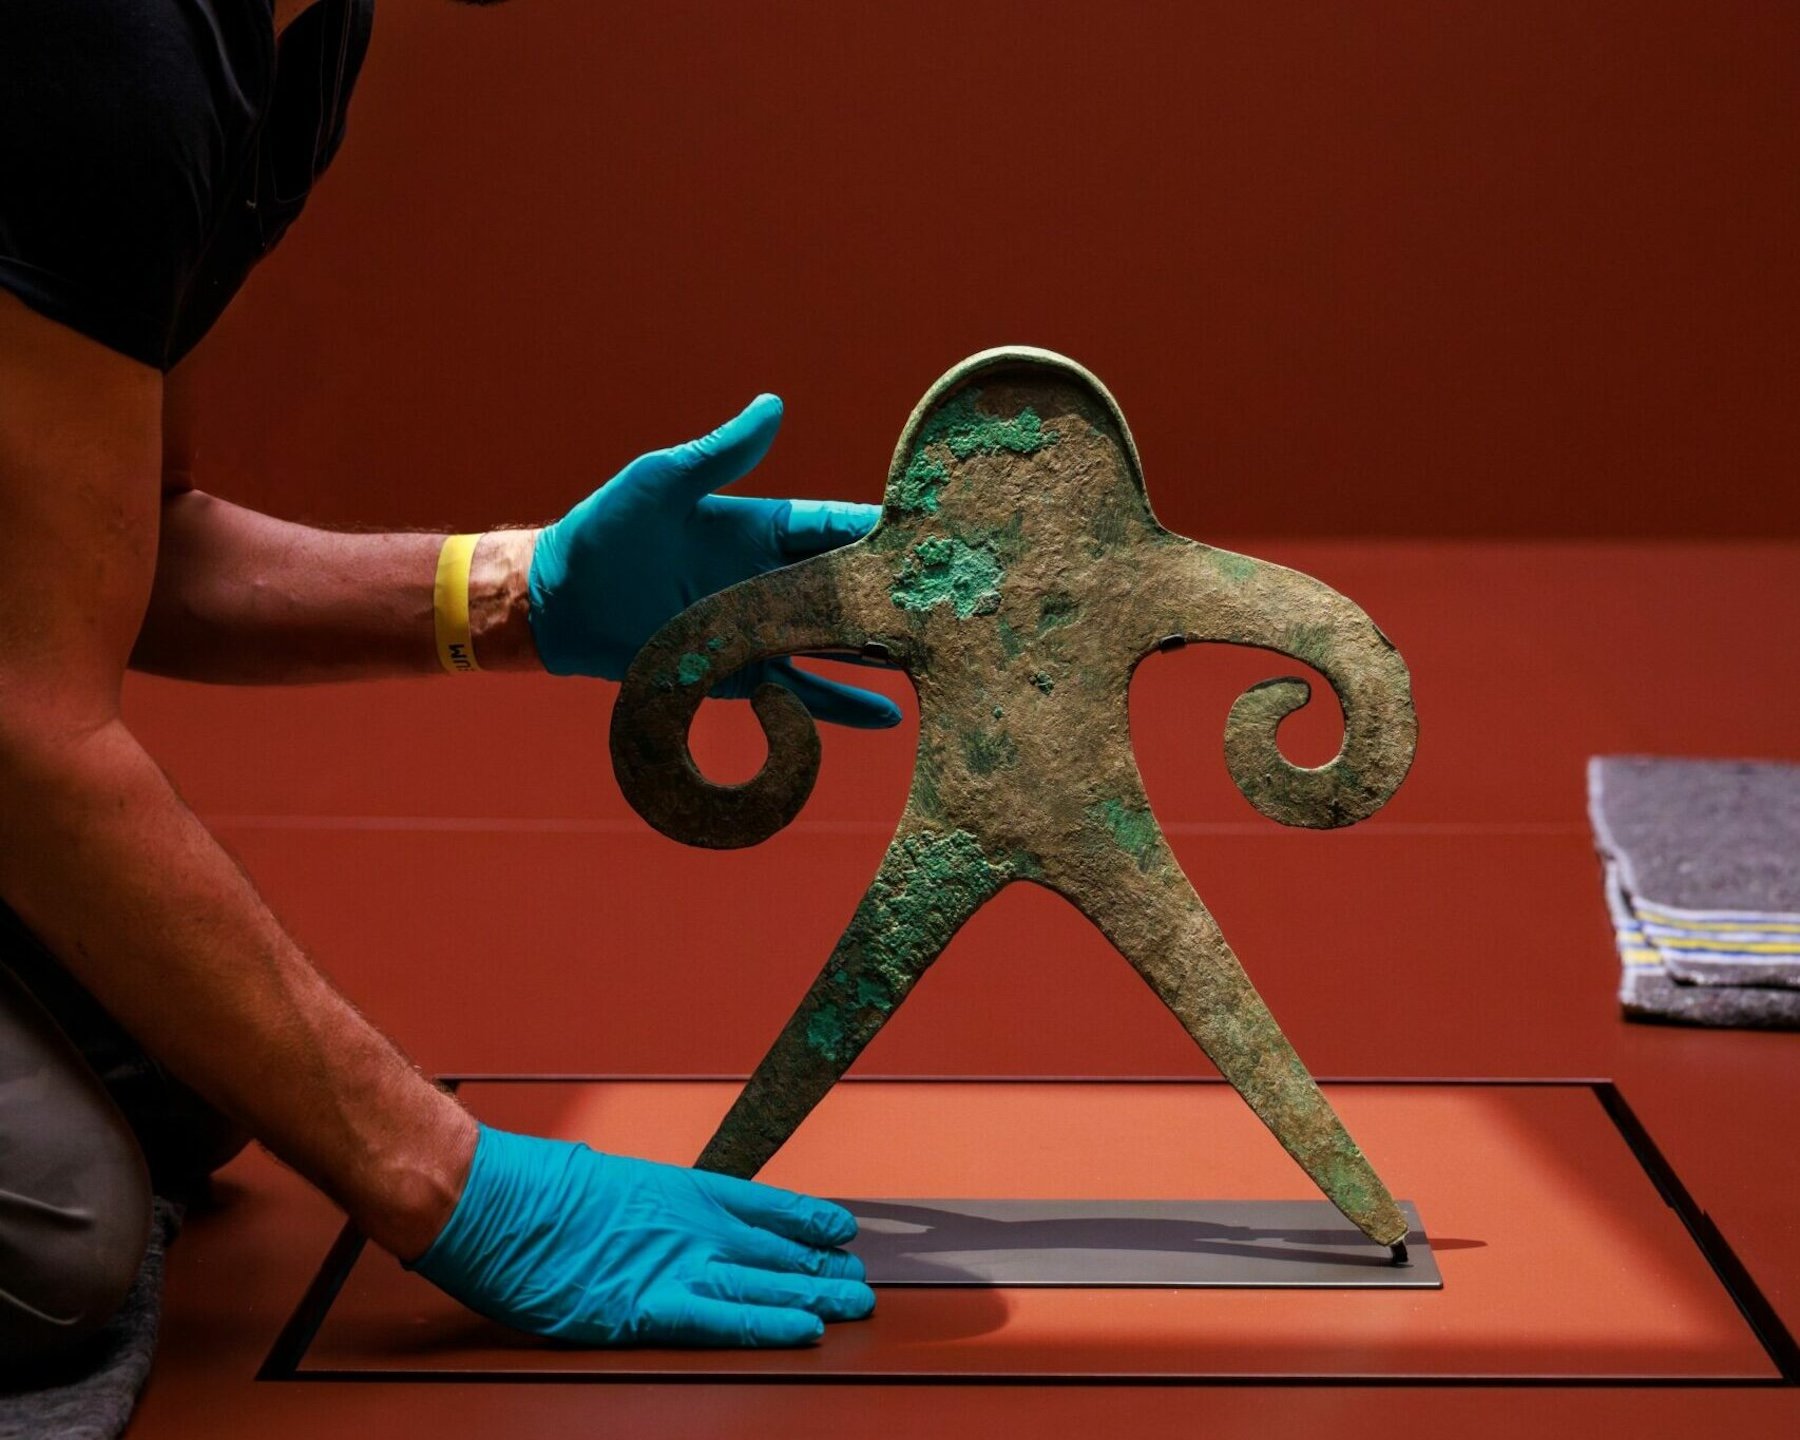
(931, 881)
(799, 608)
(1243, 601)
(1130, 884)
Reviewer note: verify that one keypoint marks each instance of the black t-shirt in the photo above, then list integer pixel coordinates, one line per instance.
(152, 151)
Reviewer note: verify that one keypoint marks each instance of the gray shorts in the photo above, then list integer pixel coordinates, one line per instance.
(89, 1125)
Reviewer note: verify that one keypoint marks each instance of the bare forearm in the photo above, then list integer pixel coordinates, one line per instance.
(242, 598)
(105, 863)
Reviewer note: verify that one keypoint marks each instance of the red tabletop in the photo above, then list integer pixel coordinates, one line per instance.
(1559, 1256)
(456, 855)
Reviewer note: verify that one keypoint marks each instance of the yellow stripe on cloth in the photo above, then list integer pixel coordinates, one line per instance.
(1746, 922)
(1736, 947)
(450, 605)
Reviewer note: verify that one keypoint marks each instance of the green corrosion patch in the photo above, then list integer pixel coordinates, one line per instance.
(825, 1031)
(925, 798)
(1346, 1181)
(918, 485)
(987, 751)
(1132, 827)
(716, 644)
(1042, 681)
(1025, 866)
(1235, 568)
(944, 570)
(1057, 609)
(966, 431)
(874, 992)
(691, 667)
(930, 884)
(1011, 643)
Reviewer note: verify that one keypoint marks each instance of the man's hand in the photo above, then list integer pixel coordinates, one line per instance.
(654, 539)
(560, 1240)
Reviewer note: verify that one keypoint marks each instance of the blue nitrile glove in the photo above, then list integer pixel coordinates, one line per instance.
(654, 539)
(598, 1249)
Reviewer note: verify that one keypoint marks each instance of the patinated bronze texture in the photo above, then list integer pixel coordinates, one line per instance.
(1018, 577)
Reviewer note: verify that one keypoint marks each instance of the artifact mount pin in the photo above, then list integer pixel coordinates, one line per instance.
(1018, 577)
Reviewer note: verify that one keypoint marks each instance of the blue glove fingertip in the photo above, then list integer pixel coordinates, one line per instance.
(762, 413)
(769, 1325)
(836, 704)
(832, 1224)
(724, 456)
(809, 527)
(861, 1302)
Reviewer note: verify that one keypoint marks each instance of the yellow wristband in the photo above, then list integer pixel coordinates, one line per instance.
(450, 604)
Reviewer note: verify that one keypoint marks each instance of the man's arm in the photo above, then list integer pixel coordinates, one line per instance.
(106, 865)
(103, 861)
(243, 598)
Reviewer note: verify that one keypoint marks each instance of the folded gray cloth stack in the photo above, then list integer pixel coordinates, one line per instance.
(1703, 882)
(92, 1397)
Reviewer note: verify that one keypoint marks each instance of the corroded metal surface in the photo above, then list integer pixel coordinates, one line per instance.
(1018, 576)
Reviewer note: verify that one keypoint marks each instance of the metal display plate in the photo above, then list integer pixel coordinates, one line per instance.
(1262, 1244)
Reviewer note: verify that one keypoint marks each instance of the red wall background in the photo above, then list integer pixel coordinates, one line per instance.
(1388, 268)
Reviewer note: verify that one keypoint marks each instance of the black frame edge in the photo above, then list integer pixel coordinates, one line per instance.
(1770, 1331)
(1763, 1319)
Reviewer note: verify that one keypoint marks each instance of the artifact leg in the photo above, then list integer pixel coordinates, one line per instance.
(929, 883)
(1148, 909)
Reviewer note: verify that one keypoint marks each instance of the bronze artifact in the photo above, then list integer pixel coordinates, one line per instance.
(1018, 577)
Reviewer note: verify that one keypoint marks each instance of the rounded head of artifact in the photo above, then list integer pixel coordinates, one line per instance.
(1015, 401)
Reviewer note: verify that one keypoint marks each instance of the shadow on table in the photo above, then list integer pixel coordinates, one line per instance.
(926, 1232)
